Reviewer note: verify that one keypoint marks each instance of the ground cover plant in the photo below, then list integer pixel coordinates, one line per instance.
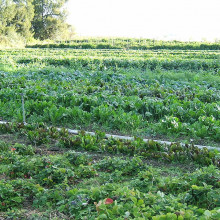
(90, 177)
(168, 94)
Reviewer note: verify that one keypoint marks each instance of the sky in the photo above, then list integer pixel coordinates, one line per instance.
(158, 19)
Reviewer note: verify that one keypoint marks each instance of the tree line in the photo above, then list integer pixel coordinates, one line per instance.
(39, 19)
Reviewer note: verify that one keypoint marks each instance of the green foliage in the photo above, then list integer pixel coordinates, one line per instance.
(203, 196)
(150, 149)
(48, 19)
(118, 164)
(16, 16)
(23, 149)
(20, 20)
(13, 193)
(23, 18)
(79, 185)
(77, 158)
(7, 13)
(9, 197)
(146, 93)
(3, 146)
(128, 43)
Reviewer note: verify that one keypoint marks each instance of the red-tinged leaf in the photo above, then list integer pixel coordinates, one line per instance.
(108, 201)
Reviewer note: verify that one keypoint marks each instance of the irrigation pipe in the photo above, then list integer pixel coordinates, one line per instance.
(76, 132)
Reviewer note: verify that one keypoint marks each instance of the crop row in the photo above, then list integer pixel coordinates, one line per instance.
(39, 134)
(137, 44)
(101, 54)
(151, 64)
(97, 59)
(203, 54)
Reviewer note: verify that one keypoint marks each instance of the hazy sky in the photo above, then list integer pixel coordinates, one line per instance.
(169, 19)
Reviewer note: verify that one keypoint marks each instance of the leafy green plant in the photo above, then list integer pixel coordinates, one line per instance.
(3, 146)
(23, 149)
(8, 196)
(77, 158)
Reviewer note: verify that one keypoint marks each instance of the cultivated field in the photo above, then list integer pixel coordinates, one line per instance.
(165, 94)
(168, 94)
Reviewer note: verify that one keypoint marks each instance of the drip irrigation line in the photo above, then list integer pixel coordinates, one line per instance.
(76, 132)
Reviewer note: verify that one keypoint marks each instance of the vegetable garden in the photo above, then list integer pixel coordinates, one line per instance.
(169, 94)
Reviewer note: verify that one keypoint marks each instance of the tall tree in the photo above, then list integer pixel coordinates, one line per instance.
(16, 16)
(7, 13)
(23, 17)
(49, 18)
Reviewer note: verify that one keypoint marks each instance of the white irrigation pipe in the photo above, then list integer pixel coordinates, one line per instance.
(76, 132)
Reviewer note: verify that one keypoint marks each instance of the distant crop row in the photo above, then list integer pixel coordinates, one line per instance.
(135, 44)
(100, 60)
(151, 64)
